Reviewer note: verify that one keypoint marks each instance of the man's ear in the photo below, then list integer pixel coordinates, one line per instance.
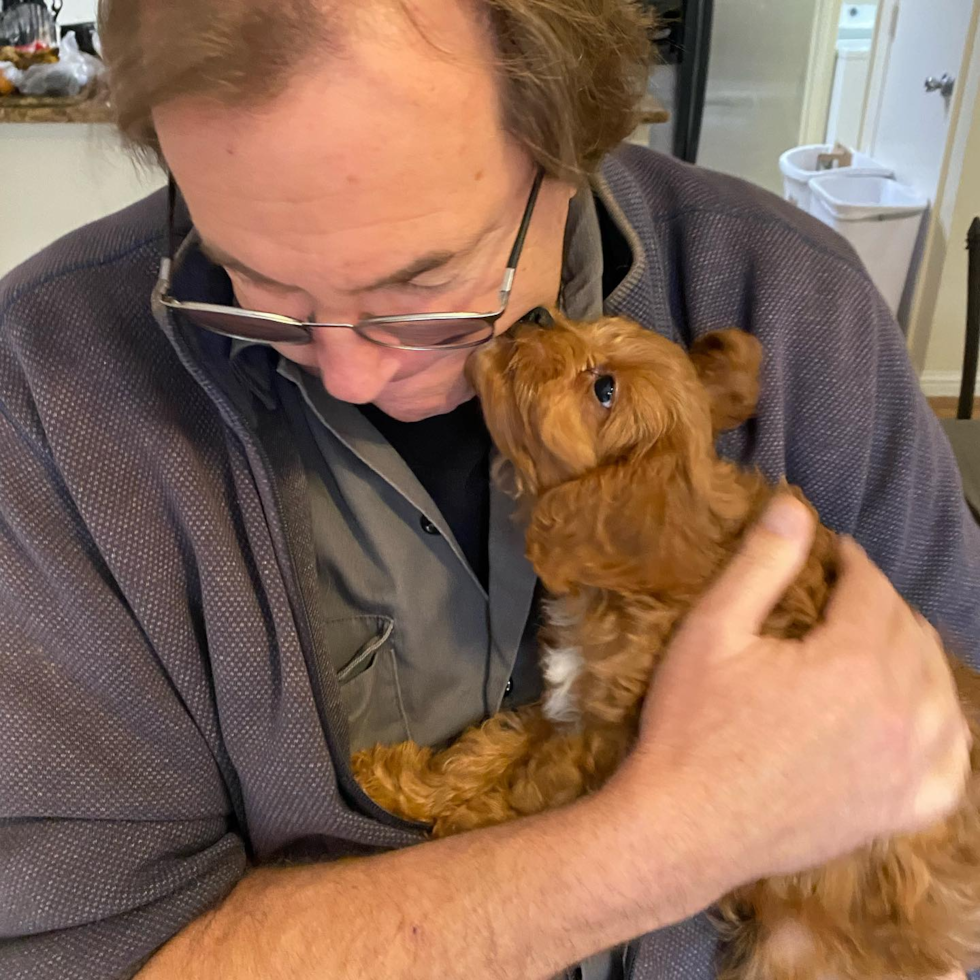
(727, 362)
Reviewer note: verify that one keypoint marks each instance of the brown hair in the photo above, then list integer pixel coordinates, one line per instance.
(573, 71)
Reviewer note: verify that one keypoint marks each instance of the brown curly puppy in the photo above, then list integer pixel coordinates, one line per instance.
(607, 432)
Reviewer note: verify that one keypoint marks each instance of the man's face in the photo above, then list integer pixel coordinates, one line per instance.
(379, 183)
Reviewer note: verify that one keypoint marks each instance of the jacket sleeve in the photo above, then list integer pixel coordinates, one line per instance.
(115, 824)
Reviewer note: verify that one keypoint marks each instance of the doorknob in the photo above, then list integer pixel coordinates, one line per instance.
(944, 84)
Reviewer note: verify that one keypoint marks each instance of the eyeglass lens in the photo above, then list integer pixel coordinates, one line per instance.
(409, 333)
(252, 327)
(428, 333)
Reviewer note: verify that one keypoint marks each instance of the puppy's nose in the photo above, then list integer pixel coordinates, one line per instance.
(539, 316)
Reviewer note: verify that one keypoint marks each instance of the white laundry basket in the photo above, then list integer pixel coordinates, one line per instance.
(799, 166)
(880, 218)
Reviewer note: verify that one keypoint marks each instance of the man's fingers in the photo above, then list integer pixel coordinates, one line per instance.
(771, 556)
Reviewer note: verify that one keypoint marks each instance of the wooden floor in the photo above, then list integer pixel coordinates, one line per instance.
(945, 408)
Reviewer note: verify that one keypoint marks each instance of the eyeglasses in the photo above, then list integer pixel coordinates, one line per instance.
(411, 331)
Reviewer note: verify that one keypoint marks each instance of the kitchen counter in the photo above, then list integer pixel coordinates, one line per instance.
(20, 109)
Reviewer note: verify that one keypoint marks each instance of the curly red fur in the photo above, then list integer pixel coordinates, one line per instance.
(631, 516)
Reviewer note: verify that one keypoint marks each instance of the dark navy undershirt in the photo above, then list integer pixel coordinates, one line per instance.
(450, 457)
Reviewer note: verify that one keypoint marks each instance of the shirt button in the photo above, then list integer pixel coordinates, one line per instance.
(509, 687)
(428, 526)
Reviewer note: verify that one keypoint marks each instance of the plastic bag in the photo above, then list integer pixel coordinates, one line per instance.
(73, 72)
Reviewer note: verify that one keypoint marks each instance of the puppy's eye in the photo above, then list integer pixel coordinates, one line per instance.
(605, 389)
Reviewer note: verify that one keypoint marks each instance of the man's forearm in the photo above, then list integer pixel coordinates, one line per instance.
(519, 901)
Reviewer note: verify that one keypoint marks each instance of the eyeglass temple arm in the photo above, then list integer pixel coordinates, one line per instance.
(515, 252)
(170, 240)
(171, 216)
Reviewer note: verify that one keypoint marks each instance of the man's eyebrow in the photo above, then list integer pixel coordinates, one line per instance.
(220, 257)
(428, 262)
(417, 267)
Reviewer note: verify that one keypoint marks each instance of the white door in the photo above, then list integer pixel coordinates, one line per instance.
(906, 127)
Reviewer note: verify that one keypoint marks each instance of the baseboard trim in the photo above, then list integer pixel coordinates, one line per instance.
(943, 384)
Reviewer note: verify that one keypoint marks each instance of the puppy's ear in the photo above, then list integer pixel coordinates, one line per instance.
(727, 362)
(579, 528)
(629, 526)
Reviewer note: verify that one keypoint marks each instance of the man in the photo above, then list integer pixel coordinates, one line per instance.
(227, 564)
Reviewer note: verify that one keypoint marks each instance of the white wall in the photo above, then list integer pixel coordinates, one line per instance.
(906, 128)
(78, 11)
(57, 176)
(944, 316)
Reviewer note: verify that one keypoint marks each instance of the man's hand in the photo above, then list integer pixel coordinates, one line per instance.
(790, 753)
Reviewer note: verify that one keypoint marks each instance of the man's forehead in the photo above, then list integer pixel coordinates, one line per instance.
(391, 270)
(380, 166)
(354, 238)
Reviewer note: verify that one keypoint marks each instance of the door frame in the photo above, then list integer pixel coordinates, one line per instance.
(820, 76)
(881, 50)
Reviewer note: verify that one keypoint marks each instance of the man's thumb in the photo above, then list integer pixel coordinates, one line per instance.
(770, 557)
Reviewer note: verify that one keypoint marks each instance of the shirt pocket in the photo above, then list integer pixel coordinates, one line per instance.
(367, 672)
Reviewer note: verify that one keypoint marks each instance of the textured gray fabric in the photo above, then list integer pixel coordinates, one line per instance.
(167, 716)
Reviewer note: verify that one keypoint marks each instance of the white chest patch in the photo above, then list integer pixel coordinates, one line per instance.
(561, 669)
(561, 666)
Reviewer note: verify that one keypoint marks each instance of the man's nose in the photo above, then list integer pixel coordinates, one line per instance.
(351, 368)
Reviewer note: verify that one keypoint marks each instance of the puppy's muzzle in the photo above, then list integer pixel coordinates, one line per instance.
(539, 317)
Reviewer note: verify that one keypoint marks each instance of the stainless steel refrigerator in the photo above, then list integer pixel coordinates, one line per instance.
(733, 73)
